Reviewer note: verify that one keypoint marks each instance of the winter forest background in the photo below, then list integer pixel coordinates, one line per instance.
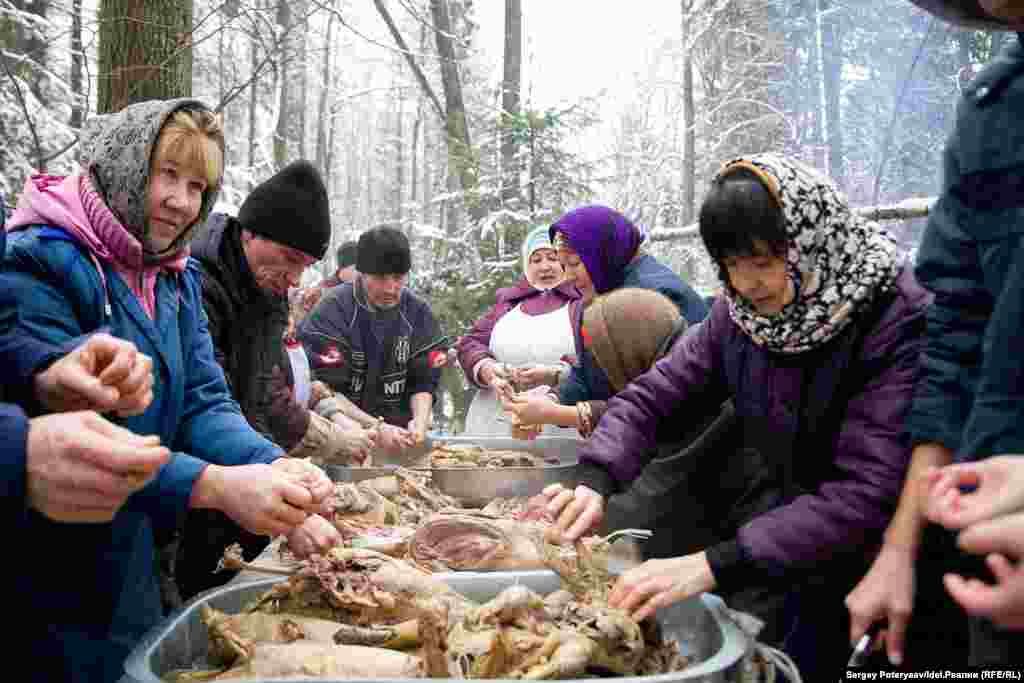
(429, 114)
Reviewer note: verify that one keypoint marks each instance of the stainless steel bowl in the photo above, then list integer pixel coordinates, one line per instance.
(477, 486)
(701, 625)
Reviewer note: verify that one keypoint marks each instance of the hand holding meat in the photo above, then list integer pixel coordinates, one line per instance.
(885, 594)
(261, 498)
(529, 408)
(307, 474)
(659, 583)
(495, 376)
(1002, 540)
(534, 376)
(315, 535)
(82, 468)
(103, 374)
(393, 439)
(418, 430)
(998, 489)
(576, 511)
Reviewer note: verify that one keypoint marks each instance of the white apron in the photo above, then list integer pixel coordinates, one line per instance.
(521, 340)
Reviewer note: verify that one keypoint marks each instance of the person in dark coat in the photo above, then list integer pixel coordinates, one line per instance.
(378, 344)
(248, 264)
(969, 403)
(106, 249)
(816, 338)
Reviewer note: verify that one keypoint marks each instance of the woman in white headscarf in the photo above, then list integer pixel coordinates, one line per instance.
(524, 341)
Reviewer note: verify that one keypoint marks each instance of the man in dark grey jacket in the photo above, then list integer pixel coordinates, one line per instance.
(377, 343)
(249, 263)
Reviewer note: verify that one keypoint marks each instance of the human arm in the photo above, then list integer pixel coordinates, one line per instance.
(421, 404)
(886, 592)
(474, 347)
(339, 403)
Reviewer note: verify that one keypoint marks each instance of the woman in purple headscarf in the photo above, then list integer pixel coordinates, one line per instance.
(600, 250)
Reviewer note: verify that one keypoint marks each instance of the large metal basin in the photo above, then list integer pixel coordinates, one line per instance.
(716, 646)
(476, 486)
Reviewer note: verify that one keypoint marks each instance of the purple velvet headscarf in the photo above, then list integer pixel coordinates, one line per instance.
(605, 240)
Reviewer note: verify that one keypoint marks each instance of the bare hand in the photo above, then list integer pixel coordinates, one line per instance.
(576, 511)
(315, 536)
(658, 583)
(418, 430)
(495, 376)
(318, 391)
(535, 376)
(886, 594)
(392, 439)
(81, 468)
(998, 484)
(103, 374)
(1002, 539)
(529, 408)
(261, 498)
(305, 473)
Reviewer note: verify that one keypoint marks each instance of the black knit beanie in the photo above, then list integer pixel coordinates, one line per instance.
(383, 251)
(290, 208)
(346, 255)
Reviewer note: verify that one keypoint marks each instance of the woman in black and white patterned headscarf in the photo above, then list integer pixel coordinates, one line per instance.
(794, 278)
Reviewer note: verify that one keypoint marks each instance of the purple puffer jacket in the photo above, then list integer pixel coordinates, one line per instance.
(475, 346)
(846, 512)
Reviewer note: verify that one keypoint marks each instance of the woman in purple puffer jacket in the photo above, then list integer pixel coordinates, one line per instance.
(817, 338)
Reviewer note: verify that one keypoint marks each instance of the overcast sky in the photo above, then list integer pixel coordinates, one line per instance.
(576, 48)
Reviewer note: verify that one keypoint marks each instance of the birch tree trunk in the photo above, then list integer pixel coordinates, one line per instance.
(145, 52)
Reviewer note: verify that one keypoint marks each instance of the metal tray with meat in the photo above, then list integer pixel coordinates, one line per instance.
(355, 614)
(551, 459)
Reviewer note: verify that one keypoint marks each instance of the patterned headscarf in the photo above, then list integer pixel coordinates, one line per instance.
(117, 148)
(605, 240)
(840, 260)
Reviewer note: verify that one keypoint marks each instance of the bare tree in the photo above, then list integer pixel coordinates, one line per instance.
(145, 51)
(77, 64)
(510, 99)
(832, 61)
(689, 165)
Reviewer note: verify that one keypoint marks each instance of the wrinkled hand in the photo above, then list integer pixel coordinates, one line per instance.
(393, 439)
(315, 536)
(534, 376)
(358, 442)
(576, 511)
(103, 374)
(998, 490)
(658, 583)
(529, 408)
(1002, 540)
(885, 594)
(305, 473)
(81, 468)
(261, 498)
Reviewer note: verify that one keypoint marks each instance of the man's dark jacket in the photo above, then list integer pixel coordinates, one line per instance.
(378, 359)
